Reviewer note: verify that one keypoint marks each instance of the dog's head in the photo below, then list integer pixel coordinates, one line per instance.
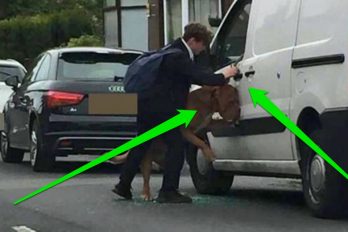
(226, 102)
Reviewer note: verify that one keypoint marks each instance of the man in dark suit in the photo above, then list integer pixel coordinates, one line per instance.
(178, 71)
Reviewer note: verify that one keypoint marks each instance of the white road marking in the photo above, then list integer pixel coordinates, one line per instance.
(22, 229)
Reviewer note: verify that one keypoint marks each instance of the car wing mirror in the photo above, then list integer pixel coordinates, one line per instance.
(12, 81)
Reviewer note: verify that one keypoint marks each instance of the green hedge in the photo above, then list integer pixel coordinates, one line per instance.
(85, 41)
(23, 38)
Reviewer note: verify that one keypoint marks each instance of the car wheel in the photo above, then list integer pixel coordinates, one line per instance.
(325, 190)
(205, 178)
(40, 159)
(9, 154)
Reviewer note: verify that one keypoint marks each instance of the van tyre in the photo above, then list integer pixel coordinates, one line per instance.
(325, 190)
(41, 160)
(9, 154)
(206, 179)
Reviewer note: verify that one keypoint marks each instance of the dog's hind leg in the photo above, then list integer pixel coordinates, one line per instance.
(146, 167)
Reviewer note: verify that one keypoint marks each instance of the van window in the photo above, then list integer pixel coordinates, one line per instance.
(230, 43)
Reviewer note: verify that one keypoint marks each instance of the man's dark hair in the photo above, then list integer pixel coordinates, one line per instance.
(199, 32)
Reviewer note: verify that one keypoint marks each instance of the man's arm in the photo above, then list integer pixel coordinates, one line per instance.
(197, 74)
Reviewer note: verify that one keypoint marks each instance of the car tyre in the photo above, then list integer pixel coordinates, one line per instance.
(9, 154)
(41, 160)
(325, 189)
(205, 178)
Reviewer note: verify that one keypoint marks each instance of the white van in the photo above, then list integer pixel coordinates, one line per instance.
(295, 50)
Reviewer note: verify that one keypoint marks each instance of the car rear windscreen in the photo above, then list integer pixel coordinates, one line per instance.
(92, 66)
(7, 71)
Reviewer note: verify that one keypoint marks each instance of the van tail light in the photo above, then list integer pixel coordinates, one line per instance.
(56, 99)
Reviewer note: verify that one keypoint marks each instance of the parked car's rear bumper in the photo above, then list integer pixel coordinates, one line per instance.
(67, 134)
(64, 144)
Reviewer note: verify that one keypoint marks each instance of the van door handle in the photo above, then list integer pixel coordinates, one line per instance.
(23, 100)
(249, 73)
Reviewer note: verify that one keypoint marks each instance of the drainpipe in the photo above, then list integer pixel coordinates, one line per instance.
(185, 12)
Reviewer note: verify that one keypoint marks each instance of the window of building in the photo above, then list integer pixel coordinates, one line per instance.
(201, 11)
(110, 29)
(174, 20)
(109, 3)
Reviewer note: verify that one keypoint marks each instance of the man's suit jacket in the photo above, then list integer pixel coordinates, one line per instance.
(177, 73)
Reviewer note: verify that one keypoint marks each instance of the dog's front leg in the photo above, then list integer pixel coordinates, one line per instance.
(146, 167)
(195, 140)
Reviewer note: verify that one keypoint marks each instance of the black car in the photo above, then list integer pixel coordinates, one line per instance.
(71, 102)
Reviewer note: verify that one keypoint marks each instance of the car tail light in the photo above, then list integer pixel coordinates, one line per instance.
(56, 98)
(65, 143)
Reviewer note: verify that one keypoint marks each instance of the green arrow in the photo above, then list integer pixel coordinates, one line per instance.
(259, 98)
(184, 117)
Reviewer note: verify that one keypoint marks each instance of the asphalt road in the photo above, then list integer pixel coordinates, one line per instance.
(87, 204)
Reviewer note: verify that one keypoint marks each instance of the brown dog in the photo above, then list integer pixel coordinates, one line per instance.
(207, 101)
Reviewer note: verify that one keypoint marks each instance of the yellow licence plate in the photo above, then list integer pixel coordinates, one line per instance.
(112, 104)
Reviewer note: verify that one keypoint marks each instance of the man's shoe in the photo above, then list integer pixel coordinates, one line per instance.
(173, 197)
(123, 192)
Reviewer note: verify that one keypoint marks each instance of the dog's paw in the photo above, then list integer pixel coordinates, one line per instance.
(147, 197)
(217, 116)
(209, 154)
(156, 167)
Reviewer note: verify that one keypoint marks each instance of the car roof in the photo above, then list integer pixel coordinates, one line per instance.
(12, 63)
(94, 49)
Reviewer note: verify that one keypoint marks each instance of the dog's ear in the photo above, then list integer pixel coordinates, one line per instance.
(208, 92)
(235, 94)
(215, 94)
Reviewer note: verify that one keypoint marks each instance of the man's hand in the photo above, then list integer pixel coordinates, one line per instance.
(230, 71)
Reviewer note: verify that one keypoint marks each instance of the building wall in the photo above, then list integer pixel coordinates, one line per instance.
(134, 13)
(110, 24)
(149, 24)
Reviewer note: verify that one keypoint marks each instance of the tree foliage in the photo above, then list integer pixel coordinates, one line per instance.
(85, 41)
(29, 27)
(12, 8)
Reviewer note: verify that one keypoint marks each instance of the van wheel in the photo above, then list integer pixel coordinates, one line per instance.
(40, 159)
(9, 154)
(205, 178)
(325, 189)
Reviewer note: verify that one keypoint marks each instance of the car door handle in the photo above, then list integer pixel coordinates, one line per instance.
(249, 73)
